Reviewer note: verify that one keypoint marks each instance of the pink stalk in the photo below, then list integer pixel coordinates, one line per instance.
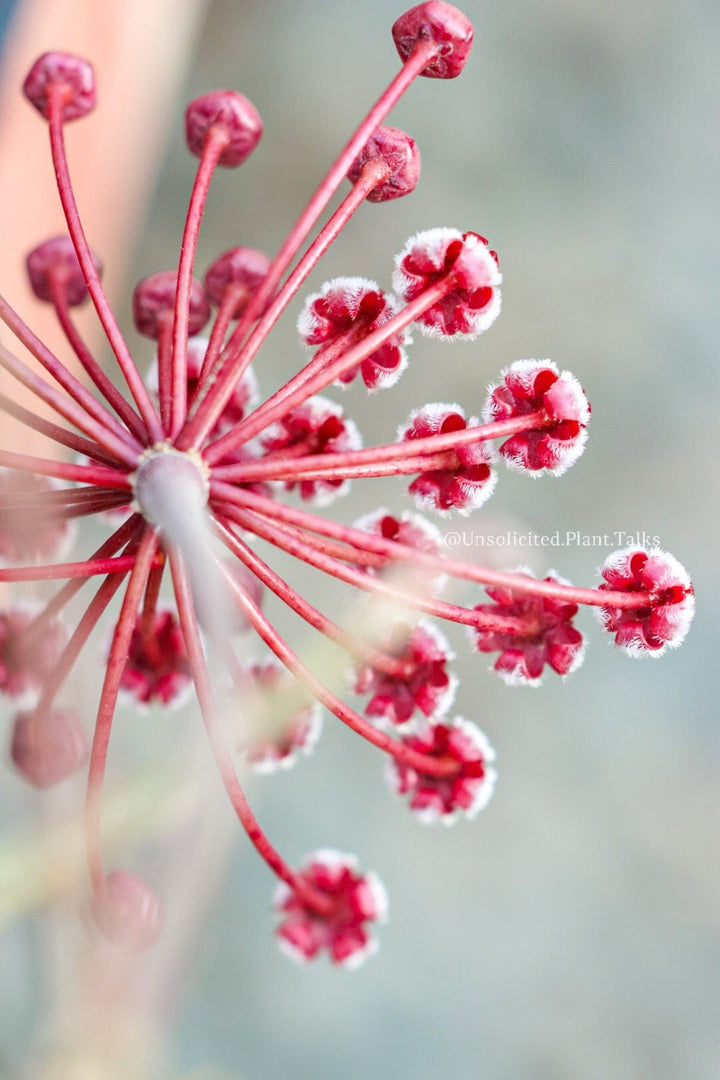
(105, 500)
(215, 142)
(59, 372)
(113, 674)
(285, 399)
(56, 433)
(84, 628)
(93, 501)
(374, 173)
(110, 392)
(389, 460)
(421, 55)
(89, 474)
(97, 293)
(198, 666)
(56, 499)
(74, 504)
(351, 644)
(423, 52)
(57, 571)
(164, 352)
(67, 408)
(340, 551)
(231, 297)
(393, 550)
(403, 466)
(352, 470)
(358, 724)
(149, 609)
(322, 358)
(280, 538)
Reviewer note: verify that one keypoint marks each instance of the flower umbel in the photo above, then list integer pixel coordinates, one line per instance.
(193, 468)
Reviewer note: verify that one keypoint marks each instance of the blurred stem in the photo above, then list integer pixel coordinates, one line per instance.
(45, 864)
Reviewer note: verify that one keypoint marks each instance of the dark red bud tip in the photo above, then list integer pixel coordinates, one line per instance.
(74, 77)
(243, 267)
(154, 304)
(47, 747)
(397, 150)
(127, 912)
(55, 260)
(228, 112)
(443, 24)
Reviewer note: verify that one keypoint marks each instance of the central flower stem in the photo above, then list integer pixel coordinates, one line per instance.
(170, 486)
(171, 490)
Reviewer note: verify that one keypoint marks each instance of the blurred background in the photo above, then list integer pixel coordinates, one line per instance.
(572, 930)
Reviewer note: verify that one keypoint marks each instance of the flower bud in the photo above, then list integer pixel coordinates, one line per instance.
(47, 747)
(242, 268)
(397, 150)
(55, 260)
(154, 304)
(127, 912)
(73, 76)
(229, 112)
(443, 24)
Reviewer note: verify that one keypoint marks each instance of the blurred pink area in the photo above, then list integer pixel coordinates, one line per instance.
(139, 50)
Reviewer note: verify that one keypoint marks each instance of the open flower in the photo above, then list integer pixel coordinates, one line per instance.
(285, 724)
(466, 791)
(316, 427)
(420, 683)
(157, 669)
(529, 632)
(342, 927)
(348, 307)
(537, 388)
(413, 531)
(472, 303)
(469, 479)
(668, 600)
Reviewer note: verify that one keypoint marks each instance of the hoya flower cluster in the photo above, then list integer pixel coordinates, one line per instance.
(185, 466)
